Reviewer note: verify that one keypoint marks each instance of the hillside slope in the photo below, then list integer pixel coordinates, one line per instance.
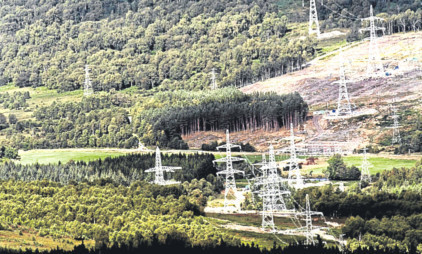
(315, 83)
(317, 87)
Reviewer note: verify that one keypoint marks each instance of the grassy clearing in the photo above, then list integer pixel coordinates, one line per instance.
(379, 164)
(30, 240)
(56, 155)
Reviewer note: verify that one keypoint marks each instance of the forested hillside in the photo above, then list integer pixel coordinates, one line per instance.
(120, 120)
(144, 43)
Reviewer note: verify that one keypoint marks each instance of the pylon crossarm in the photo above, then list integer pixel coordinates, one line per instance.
(170, 169)
(225, 172)
(230, 146)
(225, 159)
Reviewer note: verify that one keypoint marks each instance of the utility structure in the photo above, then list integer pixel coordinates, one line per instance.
(344, 108)
(396, 139)
(159, 170)
(88, 89)
(308, 213)
(295, 178)
(213, 80)
(313, 18)
(365, 176)
(230, 172)
(375, 66)
(271, 192)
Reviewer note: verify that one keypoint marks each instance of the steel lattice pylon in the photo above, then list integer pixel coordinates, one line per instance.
(343, 104)
(374, 60)
(88, 89)
(271, 191)
(308, 220)
(365, 176)
(313, 18)
(295, 178)
(229, 171)
(159, 170)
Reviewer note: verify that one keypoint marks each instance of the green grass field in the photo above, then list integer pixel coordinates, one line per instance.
(54, 156)
(379, 164)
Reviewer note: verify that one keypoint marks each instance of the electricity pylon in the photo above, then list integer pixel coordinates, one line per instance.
(159, 170)
(313, 18)
(374, 60)
(271, 191)
(213, 80)
(229, 171)
(344, 107)
(396, 126)
(295, 178)
(308, 220)
(365, 176)
(88, 90)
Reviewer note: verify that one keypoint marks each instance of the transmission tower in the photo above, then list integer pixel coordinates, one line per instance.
(213, 80)
(159, 170)
(313, 18)
(271, 191)
(365, 176)
(295, 178)
(229, 171)
(374, 60)
(88, 90)
(344, 107)
(396, 126)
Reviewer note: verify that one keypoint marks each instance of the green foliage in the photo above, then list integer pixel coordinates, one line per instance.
(8, 152)
(145, 44)
(123, 170)
(109, 214)
(337, 169)
(16, 100)
(386, 232)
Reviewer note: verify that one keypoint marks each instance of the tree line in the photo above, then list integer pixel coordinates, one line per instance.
(267, 111)
(122, 170)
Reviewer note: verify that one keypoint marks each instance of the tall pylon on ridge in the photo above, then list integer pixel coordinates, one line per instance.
(365, 176)
(396, 139)
(214, 85)
(295, 178)
(313, 18)
(344, 107)
(375, 66)
(159, 170)
(88, 89)
(229, 172)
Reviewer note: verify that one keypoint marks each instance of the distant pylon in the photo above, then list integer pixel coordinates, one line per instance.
(365, 176)
(229, 171)
(295, 178)
(88, 90)
(374, 60)
(308, 220)
(313, 18)
(396, 139)
(159, 170)
(213, 80)
(343, 103)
